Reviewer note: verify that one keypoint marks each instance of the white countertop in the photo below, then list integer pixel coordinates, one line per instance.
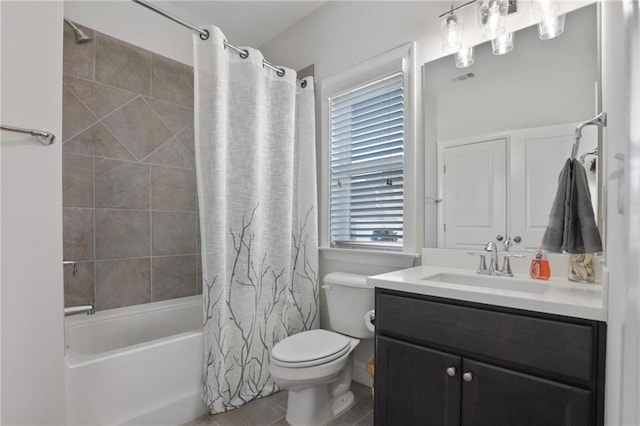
(563, 297)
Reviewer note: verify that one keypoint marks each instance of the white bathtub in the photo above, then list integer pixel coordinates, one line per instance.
(139, 365)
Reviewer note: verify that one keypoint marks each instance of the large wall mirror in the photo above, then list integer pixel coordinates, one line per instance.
(502, 129)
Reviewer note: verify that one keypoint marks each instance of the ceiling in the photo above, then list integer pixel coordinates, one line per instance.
(249, 23)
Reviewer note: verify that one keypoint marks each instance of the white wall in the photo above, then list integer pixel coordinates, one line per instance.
(134, 24)
(32, 359)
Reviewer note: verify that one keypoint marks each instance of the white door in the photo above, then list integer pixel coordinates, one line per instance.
(537, 157)
(474, 194)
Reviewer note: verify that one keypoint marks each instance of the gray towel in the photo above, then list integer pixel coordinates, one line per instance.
(572, 227)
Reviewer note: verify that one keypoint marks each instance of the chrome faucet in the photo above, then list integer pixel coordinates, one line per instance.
(493, 264)
(81, 309)
(493, 268)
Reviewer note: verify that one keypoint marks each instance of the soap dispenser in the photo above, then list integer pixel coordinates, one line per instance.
(540, 269)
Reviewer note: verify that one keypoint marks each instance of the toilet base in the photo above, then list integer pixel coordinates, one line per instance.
(312, 407)
(342, 404)
(319, 404)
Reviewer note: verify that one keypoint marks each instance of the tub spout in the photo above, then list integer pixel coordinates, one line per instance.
(82, 309)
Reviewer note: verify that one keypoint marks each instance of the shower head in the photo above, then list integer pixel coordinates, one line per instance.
(81, 36)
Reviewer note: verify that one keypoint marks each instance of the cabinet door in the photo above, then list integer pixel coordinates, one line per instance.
(412, 385)
(499, 397)
(474, 196)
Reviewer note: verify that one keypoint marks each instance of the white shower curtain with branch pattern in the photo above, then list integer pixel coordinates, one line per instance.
(255, 154)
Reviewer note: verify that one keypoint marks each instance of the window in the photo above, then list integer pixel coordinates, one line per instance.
(367, 163)
(370, 167)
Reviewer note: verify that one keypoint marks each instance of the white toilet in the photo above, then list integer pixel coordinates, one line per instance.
(315, 366)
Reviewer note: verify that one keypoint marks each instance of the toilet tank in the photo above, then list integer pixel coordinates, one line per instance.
(348, 299)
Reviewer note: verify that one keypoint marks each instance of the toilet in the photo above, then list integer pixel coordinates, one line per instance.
(316, 365)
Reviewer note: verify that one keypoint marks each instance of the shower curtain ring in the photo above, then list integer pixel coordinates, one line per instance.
(281, 72)
(244, 54)
(205, 36)
(303, 84)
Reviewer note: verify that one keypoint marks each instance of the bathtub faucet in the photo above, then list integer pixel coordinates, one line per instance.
(81, 309)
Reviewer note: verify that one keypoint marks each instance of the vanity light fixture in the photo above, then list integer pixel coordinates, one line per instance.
(550, 23)
(502, 44)
(464, 57)
(491, 14)
(451, 32)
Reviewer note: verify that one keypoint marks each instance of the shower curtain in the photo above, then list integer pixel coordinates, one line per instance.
(255, 155)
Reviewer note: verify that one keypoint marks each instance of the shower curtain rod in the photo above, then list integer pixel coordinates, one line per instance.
(204, 34)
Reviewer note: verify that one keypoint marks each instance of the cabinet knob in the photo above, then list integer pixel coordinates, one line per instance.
(499, 237)
(467, 377)
(517, 239)
(451, 371)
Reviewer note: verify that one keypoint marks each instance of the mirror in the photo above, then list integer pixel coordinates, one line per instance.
(501, 131)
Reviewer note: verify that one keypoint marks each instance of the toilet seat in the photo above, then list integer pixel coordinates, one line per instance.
(310, 348)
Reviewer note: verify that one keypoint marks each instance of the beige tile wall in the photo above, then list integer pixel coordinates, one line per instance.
(129, 183)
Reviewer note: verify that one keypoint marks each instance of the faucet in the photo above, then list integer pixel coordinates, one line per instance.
(494, 269)
(81, 309)
(493, 264)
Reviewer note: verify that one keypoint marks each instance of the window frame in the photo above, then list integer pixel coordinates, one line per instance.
(398, 59)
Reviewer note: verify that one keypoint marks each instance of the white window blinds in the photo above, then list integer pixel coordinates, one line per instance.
(367, 149)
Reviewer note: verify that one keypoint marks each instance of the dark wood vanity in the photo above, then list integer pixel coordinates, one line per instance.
(448, 362)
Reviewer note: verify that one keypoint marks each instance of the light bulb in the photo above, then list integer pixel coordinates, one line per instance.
(492, 14)
(464, 58)
(551, 27)
(502, 44)
(451, 35)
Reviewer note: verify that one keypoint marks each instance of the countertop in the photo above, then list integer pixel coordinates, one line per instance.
(563, 297)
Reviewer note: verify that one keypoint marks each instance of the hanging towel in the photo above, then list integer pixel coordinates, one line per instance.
(572, 227)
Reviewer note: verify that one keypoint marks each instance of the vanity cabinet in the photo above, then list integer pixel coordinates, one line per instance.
(447, 362)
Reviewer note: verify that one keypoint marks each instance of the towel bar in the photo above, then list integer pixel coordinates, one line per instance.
(599, 120)
(45, 138)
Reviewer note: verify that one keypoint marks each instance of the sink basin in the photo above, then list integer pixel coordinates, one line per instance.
(502, 283)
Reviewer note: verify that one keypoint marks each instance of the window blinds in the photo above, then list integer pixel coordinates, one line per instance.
(367, 148)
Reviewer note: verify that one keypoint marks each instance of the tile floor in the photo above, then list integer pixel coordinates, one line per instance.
(270, 411)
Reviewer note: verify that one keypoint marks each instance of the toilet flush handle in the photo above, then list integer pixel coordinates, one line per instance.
(327, 287)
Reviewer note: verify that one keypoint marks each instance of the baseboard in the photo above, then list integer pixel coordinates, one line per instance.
(360, 374)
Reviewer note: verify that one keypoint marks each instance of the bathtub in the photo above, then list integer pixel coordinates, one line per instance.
(139, 365)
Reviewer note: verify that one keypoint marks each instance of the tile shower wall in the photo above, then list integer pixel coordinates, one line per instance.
(129, 182)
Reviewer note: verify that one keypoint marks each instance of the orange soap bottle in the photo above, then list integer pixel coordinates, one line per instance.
(540, 269)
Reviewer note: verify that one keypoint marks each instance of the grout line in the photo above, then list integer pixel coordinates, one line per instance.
(158, 116)
(95, 237)
(360, 419)
(151, 75)
(159, 256)
(132, 210)
(150, 234)
(102, 157)
(197, 260)
(97, 120)
(277, 420)
(135, 210)
(120, 142)
(99, 83)
(95, 50)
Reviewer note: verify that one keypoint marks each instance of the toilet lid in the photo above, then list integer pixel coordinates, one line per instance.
(311, 347)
